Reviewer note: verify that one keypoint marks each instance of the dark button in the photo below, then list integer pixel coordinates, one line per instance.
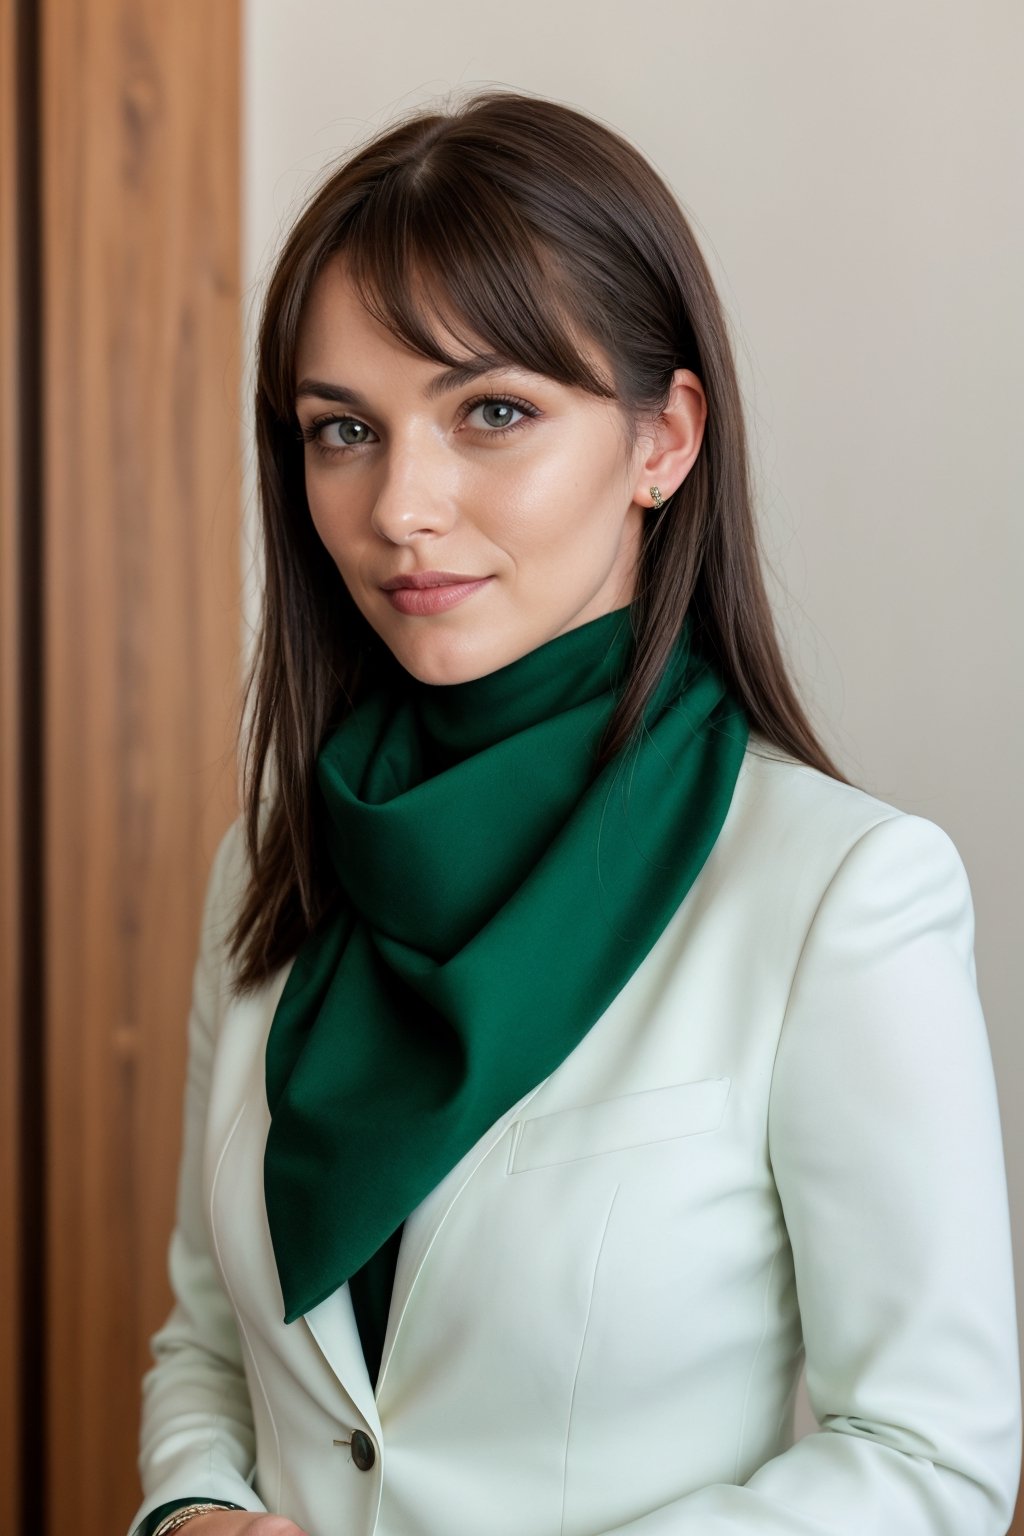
(363, 1453)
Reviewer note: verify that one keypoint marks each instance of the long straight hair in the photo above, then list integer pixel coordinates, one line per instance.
(532, 229)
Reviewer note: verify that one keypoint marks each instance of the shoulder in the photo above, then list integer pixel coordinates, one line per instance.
(791, 829)
(780, 790)
(228, 880)
(229, 869)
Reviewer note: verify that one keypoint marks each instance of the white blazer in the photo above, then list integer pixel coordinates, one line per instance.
(782, 1140)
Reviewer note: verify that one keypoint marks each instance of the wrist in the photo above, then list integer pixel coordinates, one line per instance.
(180, 1518)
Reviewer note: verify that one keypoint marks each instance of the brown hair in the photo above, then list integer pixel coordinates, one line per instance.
(539, 227)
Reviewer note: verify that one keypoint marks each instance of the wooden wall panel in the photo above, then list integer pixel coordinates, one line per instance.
(13, 130)
(142, 468)
(129, 701)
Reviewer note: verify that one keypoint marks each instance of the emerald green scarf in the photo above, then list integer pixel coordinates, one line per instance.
(497, 895)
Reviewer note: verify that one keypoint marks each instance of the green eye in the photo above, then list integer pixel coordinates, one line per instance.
(502, 403)
(314, 434)
(350, 430)
(498, 405)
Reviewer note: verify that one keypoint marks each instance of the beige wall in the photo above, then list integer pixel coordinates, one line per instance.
(853, 172)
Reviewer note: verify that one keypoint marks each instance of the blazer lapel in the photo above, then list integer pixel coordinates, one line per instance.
(421, 1229)
(332, 1323)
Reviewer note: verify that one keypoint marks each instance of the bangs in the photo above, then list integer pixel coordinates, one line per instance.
(429, 250)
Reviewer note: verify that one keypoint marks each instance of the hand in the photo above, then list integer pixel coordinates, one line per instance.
(240, 1522)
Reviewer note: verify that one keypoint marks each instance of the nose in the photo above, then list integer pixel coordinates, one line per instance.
(417, 496)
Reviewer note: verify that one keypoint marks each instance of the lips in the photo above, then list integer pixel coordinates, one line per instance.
(437, 597)
(420, 579)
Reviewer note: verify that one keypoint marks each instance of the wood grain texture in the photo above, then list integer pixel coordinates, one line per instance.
(141, 436)
(11, 684)
(142, 654)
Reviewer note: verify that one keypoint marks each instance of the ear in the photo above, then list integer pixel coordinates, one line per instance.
(671, 444)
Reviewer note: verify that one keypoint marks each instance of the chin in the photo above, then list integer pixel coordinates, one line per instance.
(432, 662)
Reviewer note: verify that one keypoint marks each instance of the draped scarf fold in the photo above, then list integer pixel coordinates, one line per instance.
(496, 894)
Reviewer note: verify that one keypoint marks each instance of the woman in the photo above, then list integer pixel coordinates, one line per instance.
(574, 1050)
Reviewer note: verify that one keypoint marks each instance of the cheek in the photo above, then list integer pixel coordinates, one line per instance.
(576, 498)
(579, 520)
(336, 528)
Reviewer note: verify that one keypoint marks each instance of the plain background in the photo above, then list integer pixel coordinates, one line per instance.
(853, 174)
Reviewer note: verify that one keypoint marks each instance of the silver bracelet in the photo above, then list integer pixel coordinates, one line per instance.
(179, 1517)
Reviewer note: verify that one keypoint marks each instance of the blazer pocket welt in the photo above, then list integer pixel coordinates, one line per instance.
(612, 1125)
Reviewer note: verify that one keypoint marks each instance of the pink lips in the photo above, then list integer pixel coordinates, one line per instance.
(439, 595)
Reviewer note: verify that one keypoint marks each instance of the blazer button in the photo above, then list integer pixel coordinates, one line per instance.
(363, 1453)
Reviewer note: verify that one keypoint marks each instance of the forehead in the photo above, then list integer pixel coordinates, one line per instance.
(335, 320)
(336, 327)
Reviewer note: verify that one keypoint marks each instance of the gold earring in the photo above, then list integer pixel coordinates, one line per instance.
(659, 500)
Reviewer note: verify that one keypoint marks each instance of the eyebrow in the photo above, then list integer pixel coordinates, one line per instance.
(442, 383)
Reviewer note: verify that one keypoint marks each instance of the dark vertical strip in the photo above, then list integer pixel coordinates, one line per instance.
(29, 344)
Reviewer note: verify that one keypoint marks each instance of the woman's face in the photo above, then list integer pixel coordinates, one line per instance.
(512, 482)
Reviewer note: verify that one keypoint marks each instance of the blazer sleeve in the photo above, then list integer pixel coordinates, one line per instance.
(197, 1438)
(885, 1141)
